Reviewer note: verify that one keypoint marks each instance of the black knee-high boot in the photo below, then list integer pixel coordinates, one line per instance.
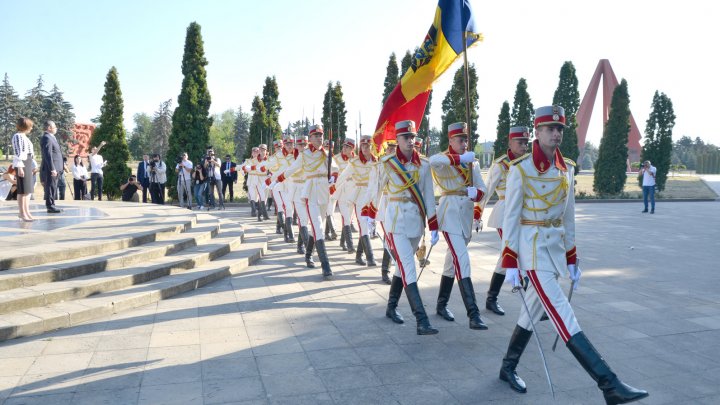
(263, 208)
(367, 247)
(396, 288)
(349, 240)
(324, 261)
(253, 208)
(491, 302)
(342, 239)
(289, 233)
(359, 253)
(421, 318)
(614, 390)
(302, 240)
(309, 262)
(518, 342)
(468, 296)
(385, 267)
(446, 285)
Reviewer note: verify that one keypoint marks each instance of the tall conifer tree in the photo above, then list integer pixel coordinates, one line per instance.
(610, 170)
(523, 112)
(568, 96)
(112, 131)
(10, 107)
(191, 120)
(391, 77)
(658, 137)
(339, 114)
(242, 133)
(453, 105)
(259, 130)
(271, 100)
(500, 146)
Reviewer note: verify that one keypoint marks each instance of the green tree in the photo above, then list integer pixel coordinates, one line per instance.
(658, 145)
(391, 77)
(57, 109)
(424, 130)
(271, 99)
(500, 146)
(33, 108)
(333, 103)
(112, 131)
(405, 63)
(161, 130)
(191, 120)
(222, 133)
(611, 166)
(241, 133)
(259, 130)
(140, 137)
(453, 105)
(590, 156)
(10, 107)
(523, 112)
(434, 137)
(568, 96)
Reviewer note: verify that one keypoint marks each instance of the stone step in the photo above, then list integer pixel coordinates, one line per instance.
(22, 298)
(66, 314)
(206, 228)
(80, 243)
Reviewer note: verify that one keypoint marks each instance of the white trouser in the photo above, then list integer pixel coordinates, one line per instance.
(457, 259)
(331, 207)
(252, 190)
(279, 200)
(499, 269)
(184, 190)
(403, 249)
(316, 217)
(362, 221)
(545, 296)
(346, 211)
(301, 211)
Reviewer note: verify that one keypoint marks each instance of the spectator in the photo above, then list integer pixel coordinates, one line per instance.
(8, 185)
(184, 170)
(80, 178)
(96, 173)
(129, 190)
(213, 179)
(200, 185)
(23, 163)
(158, 178)
(143, 174)
(62, 184)
(648, 185)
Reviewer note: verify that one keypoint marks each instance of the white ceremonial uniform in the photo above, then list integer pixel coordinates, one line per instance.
(276, 164)
(403, 221)
(353, 182)
(455, 209)
(315, 192)
(539, 235)
(339, 197)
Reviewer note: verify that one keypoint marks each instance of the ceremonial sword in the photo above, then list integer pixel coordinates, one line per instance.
(537, 339)
(425, 261)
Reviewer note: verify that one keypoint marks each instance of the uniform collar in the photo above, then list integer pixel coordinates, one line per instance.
(347, 157)
(511, 156)
(364, 160)
(452, 151)
(313, 148)
(415, 159)
(284, 152)
(541, 162)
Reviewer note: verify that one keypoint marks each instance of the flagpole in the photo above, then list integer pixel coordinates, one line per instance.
(471, 144)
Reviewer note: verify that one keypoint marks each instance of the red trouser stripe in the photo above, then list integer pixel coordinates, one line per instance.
(307, 208)
(500, 232)
(393, 251)
(282, 200)
(549, 308)
(456, 262)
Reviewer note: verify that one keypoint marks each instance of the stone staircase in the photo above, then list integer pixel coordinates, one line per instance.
(62, 287)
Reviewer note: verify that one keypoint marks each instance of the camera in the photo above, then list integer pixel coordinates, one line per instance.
(179, 159)
(153, 164)
(131, 179)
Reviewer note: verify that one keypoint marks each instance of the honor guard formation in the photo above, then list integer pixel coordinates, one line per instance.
(393, 194)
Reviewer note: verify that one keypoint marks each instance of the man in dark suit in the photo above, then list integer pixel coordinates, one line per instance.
(228, 175)
(52, 165)
(143, 176)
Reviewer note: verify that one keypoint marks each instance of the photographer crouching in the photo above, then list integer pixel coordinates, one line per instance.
(129, 190)
(158, 178)
(184, 168)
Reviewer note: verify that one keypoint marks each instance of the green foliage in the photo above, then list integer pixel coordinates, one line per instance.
(568, 96)
(33, 108)
(405, 63)
(523, 112)
(10, 107)
(708, 162)
(611, 166)
(658, 137)
(161, 130)
(259, 131)
(433, 141)
(191, 121)
(112, 132)
(241, 133)
(222, 133)
(140, 138)
(688, 151)
(424, 130)
(333, 103)
(503, 130)
(453, 105)
(271, 100)
(391, 77)
(590, 155)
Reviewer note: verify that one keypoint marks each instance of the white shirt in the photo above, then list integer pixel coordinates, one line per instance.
(96, 163)
(649, 176)
(22, 148)
(79, 172)
(183, 174)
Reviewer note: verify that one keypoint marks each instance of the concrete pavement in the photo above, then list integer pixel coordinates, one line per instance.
(276, 333)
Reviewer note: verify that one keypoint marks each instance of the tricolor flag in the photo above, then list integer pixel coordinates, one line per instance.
(441, 46)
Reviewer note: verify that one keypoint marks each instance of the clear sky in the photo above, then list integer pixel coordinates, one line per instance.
(656, 45)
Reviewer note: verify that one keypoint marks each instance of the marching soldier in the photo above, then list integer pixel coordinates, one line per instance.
(337, 199)
(262, 187)
(340, 195)
(248, 166)
(410, 201)
(419, 146)
(315, 193)
(497, 175)
(287, 188)
(278, 163)
(354, 183)
(539, 240)
(377, 206)
(461, 185)
(294, 186)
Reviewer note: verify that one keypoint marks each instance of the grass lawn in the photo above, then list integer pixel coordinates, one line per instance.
(677, 187)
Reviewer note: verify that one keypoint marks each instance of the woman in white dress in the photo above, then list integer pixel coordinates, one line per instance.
(23, 163)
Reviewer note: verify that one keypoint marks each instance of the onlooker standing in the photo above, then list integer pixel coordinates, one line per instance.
(52, 166)
(184, 181)
(158, 177)
(129, 190)
(80, 177)
(96, 173)
(62, 184)
(143, 175)
(199, 184)
(23, 159)
(648, 184)
(8, 185)
(229, 176)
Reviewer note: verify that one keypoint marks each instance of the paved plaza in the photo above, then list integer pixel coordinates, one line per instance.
(276, 333)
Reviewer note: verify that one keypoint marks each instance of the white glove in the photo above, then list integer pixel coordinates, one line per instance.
(227, 172)
(434, 237)
(272, 184)
(371, 223)
(575, 274)
(467, 157)
(478, 224)
(331, 180)
(247, 168)
(472, 192)
(512, 276)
